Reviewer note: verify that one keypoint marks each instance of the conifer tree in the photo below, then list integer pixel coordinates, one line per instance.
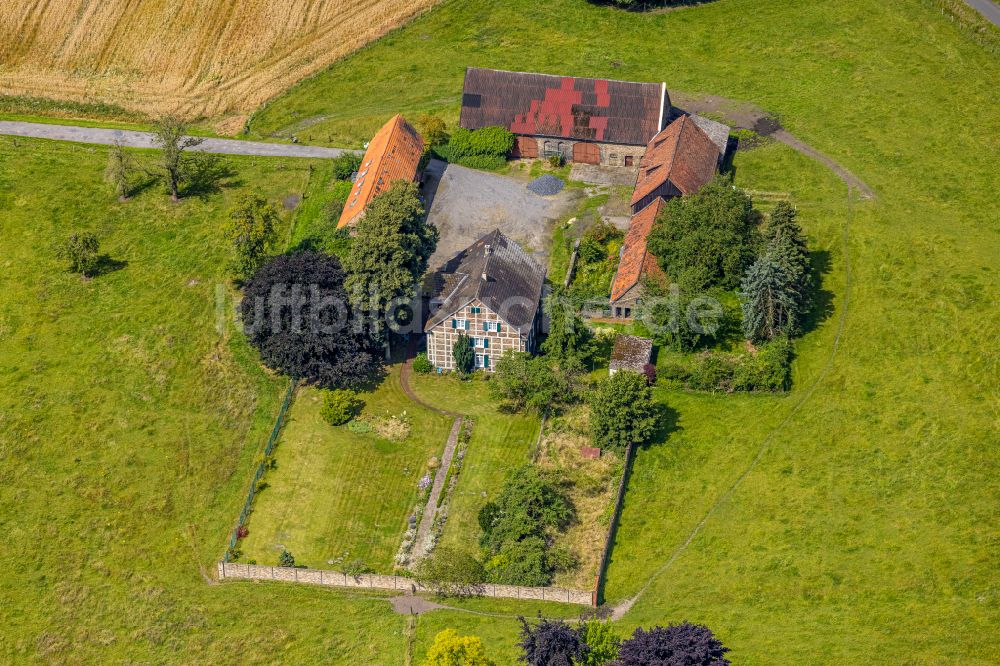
(770, 300)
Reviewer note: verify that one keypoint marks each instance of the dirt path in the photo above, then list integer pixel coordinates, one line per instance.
(135, 139)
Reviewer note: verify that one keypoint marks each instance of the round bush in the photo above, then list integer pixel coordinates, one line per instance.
(422, 364)
(340, 406)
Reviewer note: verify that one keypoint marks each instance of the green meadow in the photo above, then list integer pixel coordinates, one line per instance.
(851, 520)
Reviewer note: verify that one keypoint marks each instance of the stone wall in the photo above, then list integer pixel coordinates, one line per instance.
(612, 154)
(441, 338)
(236, 571)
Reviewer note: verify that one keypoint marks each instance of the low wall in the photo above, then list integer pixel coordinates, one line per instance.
(235, 571)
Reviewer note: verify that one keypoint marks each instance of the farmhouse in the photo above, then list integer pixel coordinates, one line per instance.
(489, 291)
(680, 160)
(593, 121)
(393, 154)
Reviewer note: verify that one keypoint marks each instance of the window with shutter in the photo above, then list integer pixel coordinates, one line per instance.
(486, 343)
(454, 323)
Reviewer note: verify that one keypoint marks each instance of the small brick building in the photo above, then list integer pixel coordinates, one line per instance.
(491, 291)
(592, 121)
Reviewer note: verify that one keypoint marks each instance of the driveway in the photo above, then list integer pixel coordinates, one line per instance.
(467, 204)
(134, 139)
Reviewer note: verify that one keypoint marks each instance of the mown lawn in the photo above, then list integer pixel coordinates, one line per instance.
(500, 443)
(337, 496)
(864, 528)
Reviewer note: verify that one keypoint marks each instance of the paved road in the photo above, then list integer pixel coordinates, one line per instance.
(134, 139)
(989, 10)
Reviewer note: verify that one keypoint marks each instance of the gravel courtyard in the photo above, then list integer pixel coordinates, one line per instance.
(465, 204)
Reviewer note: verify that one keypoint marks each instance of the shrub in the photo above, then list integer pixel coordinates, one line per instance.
(80, 251)
(242, 532)
(432, 128)
(356, 567)
(650, 371)
(712, 372)
(522, 381)
(768, 370)
(250, 227)
(464, 355)
(747, 139)
(556, 161)
(551, 643)
(520, 563)
(340, 406)
(359, 427)
(484, 148)
(451, 572)
(346, 164)
(450, 649)
(286, 559)
(422, 364)
(563, 559)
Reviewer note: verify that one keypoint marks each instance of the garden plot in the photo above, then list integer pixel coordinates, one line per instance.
(340, 497)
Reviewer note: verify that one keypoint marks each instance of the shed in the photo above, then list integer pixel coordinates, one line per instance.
(630, 353)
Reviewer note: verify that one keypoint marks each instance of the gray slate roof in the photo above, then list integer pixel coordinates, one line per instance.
(717, 132)
(630, 353)
(494, 270)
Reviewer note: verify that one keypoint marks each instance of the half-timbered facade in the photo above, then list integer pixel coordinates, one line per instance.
(490, 292)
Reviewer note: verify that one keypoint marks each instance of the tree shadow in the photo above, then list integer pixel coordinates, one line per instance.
(822, 299)
(140, 186)
(106, 265)
(666, 425)
(640, 6)
(207, 174)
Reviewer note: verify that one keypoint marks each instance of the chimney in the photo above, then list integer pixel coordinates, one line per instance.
(488, 250)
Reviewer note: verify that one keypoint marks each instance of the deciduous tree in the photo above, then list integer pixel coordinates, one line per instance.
(602, 641)
(683, 644)
(296, 313)
(169, 134)
(451, 571)
(551, 643)
(450, 649)
(622, 412)
(251, 228)
(120, 168)
(708, 238)
(521, 381)
(389, 253)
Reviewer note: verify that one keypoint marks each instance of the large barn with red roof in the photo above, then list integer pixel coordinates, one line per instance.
(592, 121)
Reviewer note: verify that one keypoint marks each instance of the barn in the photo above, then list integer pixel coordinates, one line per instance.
(592, 121)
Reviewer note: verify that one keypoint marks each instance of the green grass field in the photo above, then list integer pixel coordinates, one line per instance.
(500, 443)
(337, 496)
(865, 530)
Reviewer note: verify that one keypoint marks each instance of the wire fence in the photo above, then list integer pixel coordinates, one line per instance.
(261, 468)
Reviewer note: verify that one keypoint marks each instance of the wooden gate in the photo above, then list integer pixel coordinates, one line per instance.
(586, 153)
(526, 146)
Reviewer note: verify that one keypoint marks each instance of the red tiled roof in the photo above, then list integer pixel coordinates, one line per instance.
(564, 106)
(393, 154)
(682, 155)
(635, 260)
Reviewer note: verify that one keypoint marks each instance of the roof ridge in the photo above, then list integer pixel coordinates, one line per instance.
(570, 76)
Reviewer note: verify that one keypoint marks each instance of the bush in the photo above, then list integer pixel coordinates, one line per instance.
(521, 563)
(556, 161)
(346, 164)
(522, 381)
(340, 406)
(80, 250)
(768, 370)
(451, 572)
(747, 139)
(563, 559)
(484, 148)
(356, 567)
(712, 372)
(650, 371)
(286, 559)
(422, 364)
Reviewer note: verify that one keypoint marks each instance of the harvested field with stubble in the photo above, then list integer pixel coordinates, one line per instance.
(197, 58)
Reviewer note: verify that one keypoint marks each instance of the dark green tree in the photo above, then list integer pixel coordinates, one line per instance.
(521, 382)
(250, 227)
(622, 412)
(286, 559)
(769, 299)
(707, 239)
(389, 252)
(451, 572)
(528, 505)
(464, 354)
(80, 250)
(569, 341)
(786, 244)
